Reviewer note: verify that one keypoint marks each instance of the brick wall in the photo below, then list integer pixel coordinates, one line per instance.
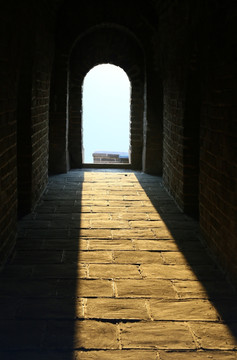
(120, 35)
(172, 57)
(197, 57)
(44, 51)
(177, 56)
(33, 105)
(8, 72)
(26, 45)
(218, 168)
(130, 59)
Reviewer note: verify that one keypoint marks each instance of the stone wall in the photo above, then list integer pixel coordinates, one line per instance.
(118, 35)
(196, 54)
(9, 58)
(33, 105)
(173, 54)
(218, 171)
(26, 55)
(42, 66)
(181, 61)
(130, 59)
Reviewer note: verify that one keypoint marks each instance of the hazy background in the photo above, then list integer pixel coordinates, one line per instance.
(106, 110)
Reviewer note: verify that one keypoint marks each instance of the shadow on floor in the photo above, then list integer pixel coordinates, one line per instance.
(39, 288)
(41, 300)
(208, 280)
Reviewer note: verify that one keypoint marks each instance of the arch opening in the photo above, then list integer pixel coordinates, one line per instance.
(106, 98)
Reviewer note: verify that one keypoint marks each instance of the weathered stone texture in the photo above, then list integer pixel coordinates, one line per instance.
(135, 244)
(68, 297)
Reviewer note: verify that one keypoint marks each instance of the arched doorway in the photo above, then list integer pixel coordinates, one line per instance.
(106, 92)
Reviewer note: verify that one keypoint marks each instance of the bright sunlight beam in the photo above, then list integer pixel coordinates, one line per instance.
(106, 110)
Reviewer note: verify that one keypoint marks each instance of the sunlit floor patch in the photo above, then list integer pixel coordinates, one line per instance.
(107, 267)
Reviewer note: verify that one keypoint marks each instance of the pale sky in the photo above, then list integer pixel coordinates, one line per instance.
(106, 110)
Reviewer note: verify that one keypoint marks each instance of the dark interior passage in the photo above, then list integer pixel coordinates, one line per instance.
(180, 58)
(108, 267)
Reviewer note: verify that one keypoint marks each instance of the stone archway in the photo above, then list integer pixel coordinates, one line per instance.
(106, 45)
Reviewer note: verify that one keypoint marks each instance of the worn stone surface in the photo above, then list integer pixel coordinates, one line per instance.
(216, 336)
(117, 278)
(183, 310)
(159, 335)
(111, 271)
(137, 257)
(81, 334)
(200, 355)
(145, 288)
(116, 309)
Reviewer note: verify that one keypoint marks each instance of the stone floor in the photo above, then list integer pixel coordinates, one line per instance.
(107, 267)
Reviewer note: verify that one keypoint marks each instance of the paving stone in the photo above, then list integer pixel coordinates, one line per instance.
(92, 202)
(88, 257)
(27, 288)
(17, 271)
(110, 244)
(183, 310)
(137, 257)
(227, 309)
(51, 308)
(58, 271)
(106, 209)
(21, 334)
(121, 209)
(158, 335)
(35, 223)
(85, 288)
(187, 257)
(28, 244)
(129, 216)
(93, 233)
(146, 224)
(168, 272)
(215, 336)
(116, 355)
(141, 209)
(111, 271)
(109, 224)
(163, 233)
(161, 289)
(69, 209)
(36, 355)
(205, 289)
(133, 234)
(116, 309)
(47, 234)
(131, 192)
(79, 224)
(38, 257)
(179, 236)
(81, 334)
(68, 244)
(91, 216)
(8, 307)
(154, 216)
(156, 245)
(125, 203)
(139, 196)
(200, 355)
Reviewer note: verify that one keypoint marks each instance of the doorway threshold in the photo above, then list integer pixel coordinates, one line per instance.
(107, 166)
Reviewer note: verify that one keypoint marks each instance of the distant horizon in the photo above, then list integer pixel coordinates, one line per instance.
(106, 96)
(110, 152)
